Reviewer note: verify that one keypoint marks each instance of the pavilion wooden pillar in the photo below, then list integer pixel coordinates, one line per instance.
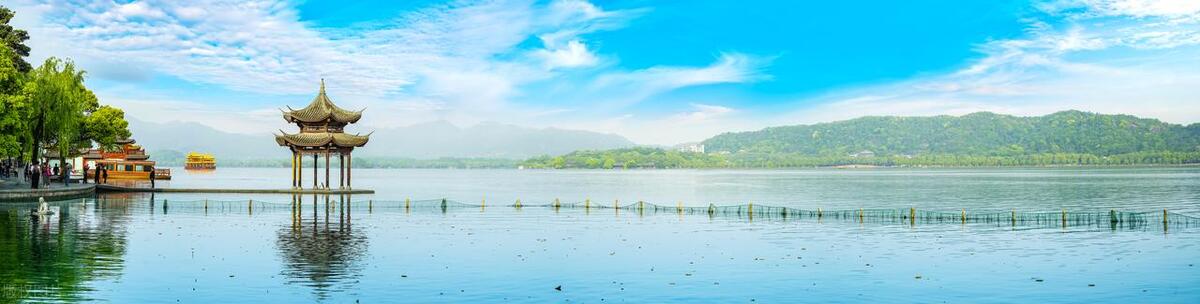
(299, 159)
(326, 169)
(293, 169)
(349, 169)
(315, 171)
(341, 170)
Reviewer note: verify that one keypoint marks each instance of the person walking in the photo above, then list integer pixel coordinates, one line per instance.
(46, 175)
(67, 174)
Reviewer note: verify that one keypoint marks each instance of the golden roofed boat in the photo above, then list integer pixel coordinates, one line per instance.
(200, 161)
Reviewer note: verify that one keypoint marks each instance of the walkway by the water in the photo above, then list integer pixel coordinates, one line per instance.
(17, 189)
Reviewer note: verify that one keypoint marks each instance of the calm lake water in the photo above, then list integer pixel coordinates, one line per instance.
(138, 248)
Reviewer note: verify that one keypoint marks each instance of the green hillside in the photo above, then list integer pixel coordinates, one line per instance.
(979, 134)
(979, 139)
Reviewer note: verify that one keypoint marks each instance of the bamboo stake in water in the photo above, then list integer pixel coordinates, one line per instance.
(679, 207)
(750, 210)
(406, 203)
(1164, 220)
(1064, 218)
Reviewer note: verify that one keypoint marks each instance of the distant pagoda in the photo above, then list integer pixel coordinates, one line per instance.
(322, 127)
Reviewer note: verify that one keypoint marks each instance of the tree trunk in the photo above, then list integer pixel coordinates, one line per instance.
(33, 154)
(62, 163)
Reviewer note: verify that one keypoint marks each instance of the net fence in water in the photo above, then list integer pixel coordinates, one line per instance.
(1109, 219)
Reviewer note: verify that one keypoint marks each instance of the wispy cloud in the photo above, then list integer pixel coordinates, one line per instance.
(1135, 57)
(462, 61)
(625, 88)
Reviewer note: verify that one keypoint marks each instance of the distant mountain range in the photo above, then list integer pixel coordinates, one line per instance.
(980, 133)
(437, 139)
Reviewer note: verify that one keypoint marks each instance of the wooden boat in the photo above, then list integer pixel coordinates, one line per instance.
(130, 169)
(200, 161)
(129, 162)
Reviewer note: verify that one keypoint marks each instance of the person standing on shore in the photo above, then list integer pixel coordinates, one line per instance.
(151, 177)
(67, 174)
(46, 175)
(34, 176)
(85, 172)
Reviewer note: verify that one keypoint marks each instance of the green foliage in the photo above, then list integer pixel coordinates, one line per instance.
(57, 99)
(104, 126)
(14, 39)
(983, 133)
(980, 139)
(48, 107)
(13, 106)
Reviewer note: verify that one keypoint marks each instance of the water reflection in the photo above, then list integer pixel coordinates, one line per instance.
(55, 257)
(320, 249)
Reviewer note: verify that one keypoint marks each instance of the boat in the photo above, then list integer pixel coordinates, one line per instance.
(128, 162)
(200, 161)
(132, 169)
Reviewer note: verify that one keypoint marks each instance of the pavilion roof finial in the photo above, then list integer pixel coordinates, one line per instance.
(322, 86)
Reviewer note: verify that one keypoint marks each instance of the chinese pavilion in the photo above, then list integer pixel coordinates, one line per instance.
(322, 133)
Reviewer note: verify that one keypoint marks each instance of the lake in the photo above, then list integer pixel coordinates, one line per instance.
(477, 247)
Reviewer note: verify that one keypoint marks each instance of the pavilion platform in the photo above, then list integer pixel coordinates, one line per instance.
(114, 188)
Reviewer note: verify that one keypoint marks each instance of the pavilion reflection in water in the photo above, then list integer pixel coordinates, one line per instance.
(320, 248)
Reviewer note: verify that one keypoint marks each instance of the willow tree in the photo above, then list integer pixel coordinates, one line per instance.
(57, 101)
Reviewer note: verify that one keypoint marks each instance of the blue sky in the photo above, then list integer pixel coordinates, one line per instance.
(657, 72)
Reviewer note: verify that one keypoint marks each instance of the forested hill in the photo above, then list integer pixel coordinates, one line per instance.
(981, 134)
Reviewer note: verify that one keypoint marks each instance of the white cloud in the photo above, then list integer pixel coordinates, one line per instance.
(1132, 8)
(621, 89)
(1130, 57)
(696, 123)
(574, 54)
(462, 61)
